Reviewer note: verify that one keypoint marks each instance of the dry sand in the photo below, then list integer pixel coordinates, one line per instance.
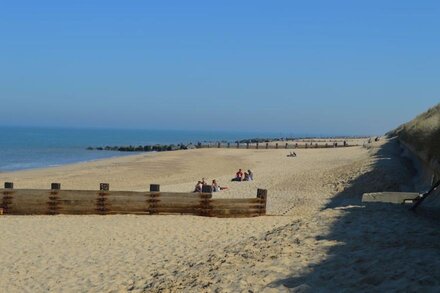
(318, 236)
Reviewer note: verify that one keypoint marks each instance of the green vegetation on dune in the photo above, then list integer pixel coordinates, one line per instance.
(423, 134)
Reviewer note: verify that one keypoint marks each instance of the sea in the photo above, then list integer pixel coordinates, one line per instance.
(33, 147)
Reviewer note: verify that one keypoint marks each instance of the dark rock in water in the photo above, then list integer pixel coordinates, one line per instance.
(140, 148)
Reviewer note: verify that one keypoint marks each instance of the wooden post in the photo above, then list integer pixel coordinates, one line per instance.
(154, 198)
(316, 145)
(102, 205)
(287, 145)
(229, 145)
(267, 145)
(205, 201)
(247, 145)
(296, 145)
(238, 145)
(207, 188)
(276, 145)
(154, 188)
(262, 195)
(218, 145)
(53, 205)
(256, 145)
(7, 197)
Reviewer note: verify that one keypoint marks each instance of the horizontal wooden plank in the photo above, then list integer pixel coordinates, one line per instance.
(194, 211)
(174, 199)
(175, 206)
(235, 200)
(80, 193)
(77, 202)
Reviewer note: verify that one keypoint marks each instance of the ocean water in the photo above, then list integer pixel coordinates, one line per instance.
(27, 147)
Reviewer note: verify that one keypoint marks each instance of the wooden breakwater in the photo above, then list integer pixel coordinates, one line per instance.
(277, 145)
(237, 145)
(56, 201)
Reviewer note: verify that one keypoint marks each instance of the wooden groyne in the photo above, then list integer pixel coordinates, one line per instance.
(277, 145)
(312, 144)
(56, 201)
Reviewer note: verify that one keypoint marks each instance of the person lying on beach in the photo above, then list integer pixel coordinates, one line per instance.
(216, 187)
(198, 187)
(238, 176)
(292, 154)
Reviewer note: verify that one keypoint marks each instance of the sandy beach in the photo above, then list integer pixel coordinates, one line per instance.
(317, 235)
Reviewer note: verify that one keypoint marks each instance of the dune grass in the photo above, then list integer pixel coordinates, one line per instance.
(423, 134)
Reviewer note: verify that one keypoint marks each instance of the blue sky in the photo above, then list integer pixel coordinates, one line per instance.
(317, 67)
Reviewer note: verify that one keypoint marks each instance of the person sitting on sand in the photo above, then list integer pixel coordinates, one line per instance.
(238, 176)
(216, 187)
(198, 187)
(203, 181)
(250, 175)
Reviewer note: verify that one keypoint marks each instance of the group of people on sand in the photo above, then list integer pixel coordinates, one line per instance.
(246, 176)
(239, 176)
(214, 184)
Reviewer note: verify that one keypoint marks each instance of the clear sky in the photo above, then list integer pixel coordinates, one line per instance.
(318, 67)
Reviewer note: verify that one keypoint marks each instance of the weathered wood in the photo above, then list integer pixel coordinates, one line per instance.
(236, 200)
(172, 210)
(55, 186)
(7, 198)
(238, 206)
(53, 203)
(262, 195)
(57, 201)
(207, 188)
(154, 187)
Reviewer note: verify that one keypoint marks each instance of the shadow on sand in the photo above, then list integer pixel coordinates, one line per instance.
(380, 247)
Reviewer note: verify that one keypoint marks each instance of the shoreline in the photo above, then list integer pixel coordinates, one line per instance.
(73, 163)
